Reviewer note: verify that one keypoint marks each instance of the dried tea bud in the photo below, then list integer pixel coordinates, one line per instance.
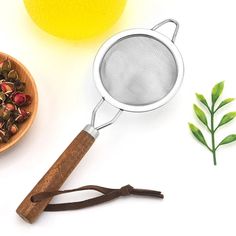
(19, 86)
(7, 87)
(9, 122)
(15, 114)
(5, 65)
(6, 137)
(19, 98)
(13, 129)
(10, 107)
(2, 98)
(12, 75)
(4, 114)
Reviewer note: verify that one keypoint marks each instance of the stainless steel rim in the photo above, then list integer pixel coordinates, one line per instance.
(145, 32)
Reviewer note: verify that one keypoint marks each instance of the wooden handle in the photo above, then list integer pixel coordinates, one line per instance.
(56, 176)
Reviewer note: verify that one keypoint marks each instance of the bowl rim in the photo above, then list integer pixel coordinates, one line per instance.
(9, 145)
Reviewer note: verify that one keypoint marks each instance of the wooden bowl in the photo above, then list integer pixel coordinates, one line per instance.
(32, 91)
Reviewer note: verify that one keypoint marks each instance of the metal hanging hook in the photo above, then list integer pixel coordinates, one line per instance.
(169, 21)
(94, 113)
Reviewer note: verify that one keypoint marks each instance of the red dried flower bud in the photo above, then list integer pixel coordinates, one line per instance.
(23, 112)
(10, 107)
(19, 98)
(7, 87)
(23, 115)
(13, 129)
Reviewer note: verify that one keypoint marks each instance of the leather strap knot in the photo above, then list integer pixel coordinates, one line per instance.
(126, 190)
(108, 194)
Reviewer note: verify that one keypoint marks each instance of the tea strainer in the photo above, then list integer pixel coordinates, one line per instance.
(137, 70)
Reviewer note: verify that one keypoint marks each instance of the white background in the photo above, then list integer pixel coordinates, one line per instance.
(152, 150)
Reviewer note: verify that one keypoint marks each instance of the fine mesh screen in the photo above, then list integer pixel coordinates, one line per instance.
(138, 70)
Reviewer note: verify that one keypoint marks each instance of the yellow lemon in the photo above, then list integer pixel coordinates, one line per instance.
(75, 19)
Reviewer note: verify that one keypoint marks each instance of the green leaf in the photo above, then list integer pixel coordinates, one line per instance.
(227, 118)
(217, 91)
(202, 99)
(225, 102)
(198, 134)
(229, 139)
(200, 114)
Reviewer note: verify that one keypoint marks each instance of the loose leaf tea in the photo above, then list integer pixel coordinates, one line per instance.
(210, 126)
(12, 101)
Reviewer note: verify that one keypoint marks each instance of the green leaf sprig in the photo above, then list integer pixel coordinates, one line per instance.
(210, 126)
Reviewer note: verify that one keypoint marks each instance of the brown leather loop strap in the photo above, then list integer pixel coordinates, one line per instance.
(108, 195)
